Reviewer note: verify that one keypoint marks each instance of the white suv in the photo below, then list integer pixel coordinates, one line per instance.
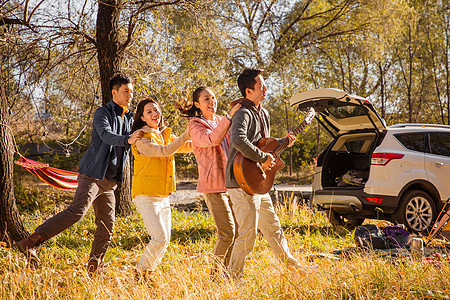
(399, 173)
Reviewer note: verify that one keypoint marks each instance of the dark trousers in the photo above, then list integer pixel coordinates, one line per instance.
(90, 191)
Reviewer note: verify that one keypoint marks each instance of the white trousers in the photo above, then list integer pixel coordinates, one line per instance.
(155, 211)
(253, 212)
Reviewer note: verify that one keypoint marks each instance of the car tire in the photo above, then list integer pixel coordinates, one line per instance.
(339, 222)
(416, 211)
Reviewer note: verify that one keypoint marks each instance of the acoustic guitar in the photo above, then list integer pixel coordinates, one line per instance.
(251, 176)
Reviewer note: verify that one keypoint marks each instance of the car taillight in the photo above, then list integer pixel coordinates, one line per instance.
(383, 159)
(374, 199)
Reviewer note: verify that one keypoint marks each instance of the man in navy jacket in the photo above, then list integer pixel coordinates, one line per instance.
(101, 168)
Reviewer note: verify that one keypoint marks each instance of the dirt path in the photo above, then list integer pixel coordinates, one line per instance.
(187, 198)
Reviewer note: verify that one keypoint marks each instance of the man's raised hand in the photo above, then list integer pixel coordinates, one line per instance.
(135, 136)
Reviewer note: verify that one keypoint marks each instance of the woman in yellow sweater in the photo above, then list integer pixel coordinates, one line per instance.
(154, 178)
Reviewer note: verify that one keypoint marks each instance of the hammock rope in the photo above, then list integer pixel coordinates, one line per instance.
(58, 178)
(55, 177)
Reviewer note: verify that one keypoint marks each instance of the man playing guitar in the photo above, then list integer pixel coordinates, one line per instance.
(251, 123)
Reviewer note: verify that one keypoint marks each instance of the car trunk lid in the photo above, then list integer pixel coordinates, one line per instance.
(341, 111)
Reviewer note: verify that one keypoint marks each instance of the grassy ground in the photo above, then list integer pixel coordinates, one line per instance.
(184, 272)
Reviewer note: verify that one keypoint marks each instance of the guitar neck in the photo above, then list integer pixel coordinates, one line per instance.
(285, 142)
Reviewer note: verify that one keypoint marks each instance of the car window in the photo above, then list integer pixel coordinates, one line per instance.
(412, 141)
(355, 143)
(354, 146)
(440, 143)
(342, 112)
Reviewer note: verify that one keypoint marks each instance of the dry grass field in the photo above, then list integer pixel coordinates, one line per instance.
(184, 272)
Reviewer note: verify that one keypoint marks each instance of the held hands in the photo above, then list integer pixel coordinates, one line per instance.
(291, 138)
(137, 135)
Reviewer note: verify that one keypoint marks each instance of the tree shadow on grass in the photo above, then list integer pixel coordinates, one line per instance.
(125, 242)
(128, 242)
(182, 237)
(304, 229)
(192, 235)
(73, 242)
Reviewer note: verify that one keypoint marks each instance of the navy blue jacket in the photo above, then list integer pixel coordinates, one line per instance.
(109, 130)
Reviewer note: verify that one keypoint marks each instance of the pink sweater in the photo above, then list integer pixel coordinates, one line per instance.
(211, 158)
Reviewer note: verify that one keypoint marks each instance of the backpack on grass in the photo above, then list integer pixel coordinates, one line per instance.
(397, 236)
(369, 236)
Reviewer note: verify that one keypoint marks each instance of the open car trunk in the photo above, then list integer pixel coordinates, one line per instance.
(346, 161)
(356, 128)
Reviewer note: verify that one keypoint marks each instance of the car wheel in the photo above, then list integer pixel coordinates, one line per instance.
(339, 222)
(417, 211)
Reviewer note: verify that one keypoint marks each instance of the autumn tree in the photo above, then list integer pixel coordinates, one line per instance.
(274, 34)
(11, 22)
(117, 23)
(437, 27)
(60, 34)
(111, 48)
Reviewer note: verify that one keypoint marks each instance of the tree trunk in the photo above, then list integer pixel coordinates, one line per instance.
(382, 90)
(447, 64)
(108, 44)
(123, 192)
(110, 57)
(410, 56)
(11, 225)
(288, 129)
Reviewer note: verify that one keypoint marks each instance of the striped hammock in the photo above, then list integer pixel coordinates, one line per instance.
(57, 178)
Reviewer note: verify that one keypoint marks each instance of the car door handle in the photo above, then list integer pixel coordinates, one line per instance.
(438, 164)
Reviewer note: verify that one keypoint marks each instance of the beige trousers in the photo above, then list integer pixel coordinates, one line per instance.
(156, 213)
(219, 207)
(253, 212)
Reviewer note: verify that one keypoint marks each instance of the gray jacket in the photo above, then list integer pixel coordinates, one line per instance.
(245, 133)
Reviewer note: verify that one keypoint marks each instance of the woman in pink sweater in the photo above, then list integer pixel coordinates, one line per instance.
(210, 141)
